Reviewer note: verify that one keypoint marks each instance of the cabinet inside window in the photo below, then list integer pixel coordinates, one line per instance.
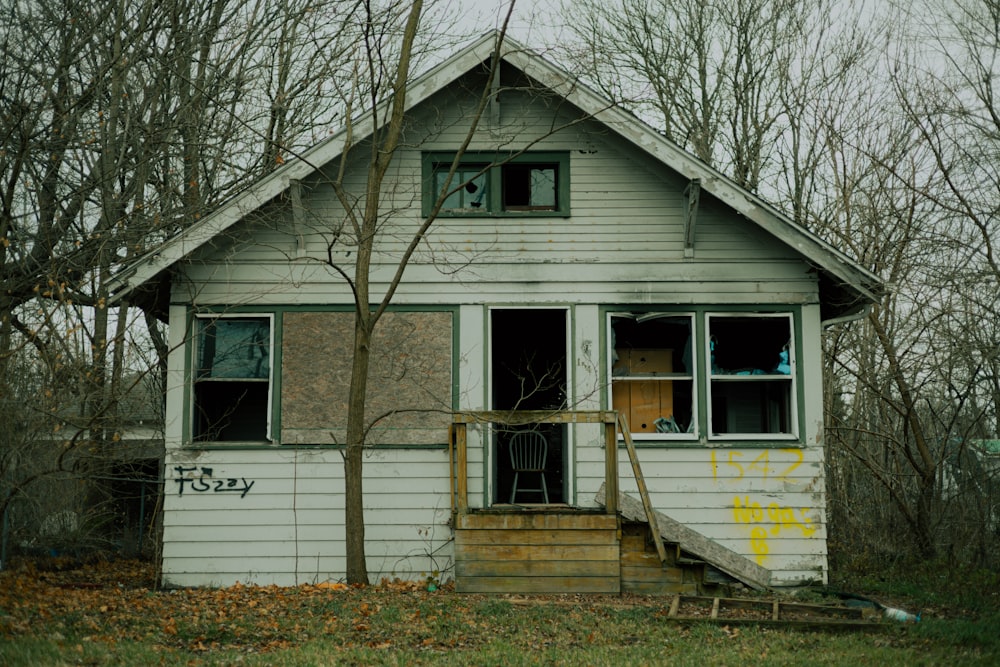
(652, 374)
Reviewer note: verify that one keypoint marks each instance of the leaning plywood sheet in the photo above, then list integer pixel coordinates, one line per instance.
(730, 562)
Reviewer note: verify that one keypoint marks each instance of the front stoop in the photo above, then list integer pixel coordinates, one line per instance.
(543, 551)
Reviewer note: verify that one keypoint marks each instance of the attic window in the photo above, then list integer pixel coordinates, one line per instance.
(535, 184)
(473, 193)
(530, 187)
(232, 379)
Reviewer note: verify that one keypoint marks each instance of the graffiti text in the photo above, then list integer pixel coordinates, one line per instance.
(203, 482)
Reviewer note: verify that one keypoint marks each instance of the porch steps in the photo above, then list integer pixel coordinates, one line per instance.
(642, 571)
(692, 546)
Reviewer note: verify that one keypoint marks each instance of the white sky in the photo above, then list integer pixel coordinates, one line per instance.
(532, 24)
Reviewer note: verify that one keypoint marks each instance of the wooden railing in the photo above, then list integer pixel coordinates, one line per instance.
(458, 451)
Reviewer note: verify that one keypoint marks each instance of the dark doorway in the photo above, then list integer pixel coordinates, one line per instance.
(529, 373)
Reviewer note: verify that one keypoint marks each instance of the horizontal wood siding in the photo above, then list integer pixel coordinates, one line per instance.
(626, 227)
(289, 527)
(536, 553)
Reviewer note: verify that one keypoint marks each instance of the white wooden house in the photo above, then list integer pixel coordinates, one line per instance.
(602, 268)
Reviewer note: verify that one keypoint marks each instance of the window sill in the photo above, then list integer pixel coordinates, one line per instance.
(235, 444)
(715, 443)
(755, 443)
(226, 446)
(503, 214)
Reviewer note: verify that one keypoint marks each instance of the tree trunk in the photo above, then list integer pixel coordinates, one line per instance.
(354, 518)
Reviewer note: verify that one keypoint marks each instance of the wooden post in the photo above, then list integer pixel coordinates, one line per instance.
(640, 482)
(611, 467)
(461, 439)
(451, 465)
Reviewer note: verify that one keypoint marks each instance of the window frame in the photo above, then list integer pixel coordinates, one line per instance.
(494, 164)
(200, 321)
(735, 379)
(702, 377)
(690, 376)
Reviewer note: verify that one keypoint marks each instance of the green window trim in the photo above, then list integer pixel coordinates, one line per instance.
(232, 373)
(752, 392)
(493, 184)
(689, 373)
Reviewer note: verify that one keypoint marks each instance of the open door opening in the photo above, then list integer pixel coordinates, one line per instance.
(529, 373)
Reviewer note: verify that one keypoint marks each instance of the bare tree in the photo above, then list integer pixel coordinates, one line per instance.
(889, 156)
(922, 368)
(383, 94)
(121, 123)
(727, 81)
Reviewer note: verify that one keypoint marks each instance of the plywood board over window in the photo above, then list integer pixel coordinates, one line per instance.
(409, 381)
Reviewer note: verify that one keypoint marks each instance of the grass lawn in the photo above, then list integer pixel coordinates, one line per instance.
(108, 613)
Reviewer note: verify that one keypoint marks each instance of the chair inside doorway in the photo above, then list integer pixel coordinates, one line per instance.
(528, 454)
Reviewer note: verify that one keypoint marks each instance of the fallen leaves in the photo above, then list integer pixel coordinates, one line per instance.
(109, 601)
(331, 586)
(115, 603)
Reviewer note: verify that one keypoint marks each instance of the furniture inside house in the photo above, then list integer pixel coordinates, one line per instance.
(643, 388)
(528, 453)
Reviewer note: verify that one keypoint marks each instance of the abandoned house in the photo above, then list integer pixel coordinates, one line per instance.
(585, 269)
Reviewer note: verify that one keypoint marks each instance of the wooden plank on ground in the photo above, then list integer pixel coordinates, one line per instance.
(735, 565)
(674, 605)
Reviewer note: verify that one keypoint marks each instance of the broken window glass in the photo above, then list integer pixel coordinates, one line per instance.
(232, 386)
(497, 184)
(652, 373)
(471, 188)
(529, 187)
(751, 381)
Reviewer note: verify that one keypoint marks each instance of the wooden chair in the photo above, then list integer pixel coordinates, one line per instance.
(528, 452)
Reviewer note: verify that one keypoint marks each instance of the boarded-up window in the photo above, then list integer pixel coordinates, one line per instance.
(410, 379)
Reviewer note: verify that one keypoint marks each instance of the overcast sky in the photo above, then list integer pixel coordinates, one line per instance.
(532, 23)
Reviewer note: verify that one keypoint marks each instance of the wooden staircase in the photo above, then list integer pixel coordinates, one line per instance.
(691, 562)
(629, 547)
(643, 573)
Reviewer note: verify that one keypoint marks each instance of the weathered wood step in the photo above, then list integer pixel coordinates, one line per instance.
(694, 543)
(555, 551)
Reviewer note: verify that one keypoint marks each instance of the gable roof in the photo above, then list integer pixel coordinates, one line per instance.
(845, 287)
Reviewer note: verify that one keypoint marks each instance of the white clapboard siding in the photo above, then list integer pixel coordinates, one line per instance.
(289, 526)
(764, 503)
(626, 225)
